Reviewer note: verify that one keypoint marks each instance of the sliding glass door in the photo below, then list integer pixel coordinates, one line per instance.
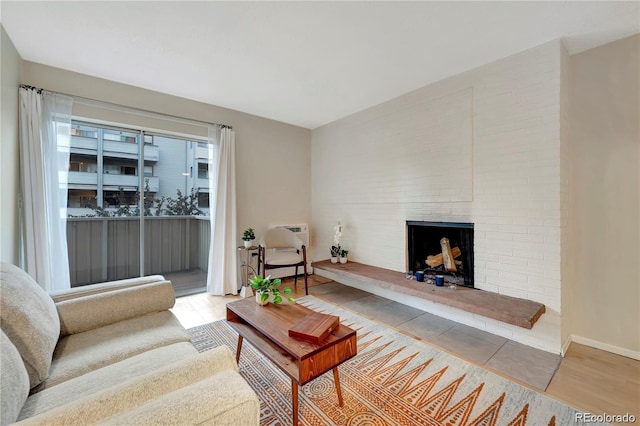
(126, 186)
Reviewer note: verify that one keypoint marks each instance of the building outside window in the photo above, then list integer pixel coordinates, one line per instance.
(103, 169)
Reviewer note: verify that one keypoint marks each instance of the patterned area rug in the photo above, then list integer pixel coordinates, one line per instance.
(394, 380)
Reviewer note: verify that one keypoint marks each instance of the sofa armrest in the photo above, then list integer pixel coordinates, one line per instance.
(97, 310)
(105, 287)
(183, 386)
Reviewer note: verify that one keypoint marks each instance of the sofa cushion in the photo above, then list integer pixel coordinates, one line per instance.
(81, 353)
(29, 318)
(103, 378)
(203, 402)
(198, 369)
(14, 381)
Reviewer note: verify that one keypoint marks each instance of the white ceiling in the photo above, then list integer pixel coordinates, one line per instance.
(304, 63)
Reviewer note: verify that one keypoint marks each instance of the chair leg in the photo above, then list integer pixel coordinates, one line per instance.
(295, 279)
(306, 288)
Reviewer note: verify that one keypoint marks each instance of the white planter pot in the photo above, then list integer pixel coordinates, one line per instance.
(248, 244)
(334, 260)
(343, 260)
(259, 299)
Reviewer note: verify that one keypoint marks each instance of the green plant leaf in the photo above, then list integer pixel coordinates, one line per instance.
(264, 297)
(287, 290)
(291, 299)
(277, 282)
(277, 299)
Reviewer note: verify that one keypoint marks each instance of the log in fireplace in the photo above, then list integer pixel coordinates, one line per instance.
(441, 248)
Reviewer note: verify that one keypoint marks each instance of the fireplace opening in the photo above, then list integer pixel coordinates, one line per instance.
(441, 248)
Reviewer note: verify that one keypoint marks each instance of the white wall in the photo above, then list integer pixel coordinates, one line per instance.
(516, 179)
(604, 294)
(9, 153)
(272, 158)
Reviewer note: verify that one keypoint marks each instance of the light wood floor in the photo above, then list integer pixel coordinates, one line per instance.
(587, 379)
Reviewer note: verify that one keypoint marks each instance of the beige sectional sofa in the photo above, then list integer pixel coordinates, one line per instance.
(110, 353)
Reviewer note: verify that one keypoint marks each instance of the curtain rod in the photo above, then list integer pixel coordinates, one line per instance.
(134, 110)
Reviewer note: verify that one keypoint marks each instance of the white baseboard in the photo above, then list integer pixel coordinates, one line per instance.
(565, 345)
(600, 345)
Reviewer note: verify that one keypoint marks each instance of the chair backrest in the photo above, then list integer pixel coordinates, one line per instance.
(280, 238)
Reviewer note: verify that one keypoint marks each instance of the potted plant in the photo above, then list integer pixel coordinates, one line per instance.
(343, 255)
(248, 236)
(335, 252)
(268, 290)
(335, 248)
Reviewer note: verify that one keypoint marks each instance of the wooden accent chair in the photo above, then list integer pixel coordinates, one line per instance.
(281, 238)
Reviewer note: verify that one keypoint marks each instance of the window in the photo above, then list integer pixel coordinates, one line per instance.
(112, 169)
(203, 200)
(81, 164)
(148, 171)
(203, 171)
(79, 198)
(83, 131)
(128, 170)
(120, 198)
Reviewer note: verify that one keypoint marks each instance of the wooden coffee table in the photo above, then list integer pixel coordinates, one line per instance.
(267, 329)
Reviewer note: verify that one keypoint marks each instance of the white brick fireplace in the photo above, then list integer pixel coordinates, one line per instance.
(482, 147)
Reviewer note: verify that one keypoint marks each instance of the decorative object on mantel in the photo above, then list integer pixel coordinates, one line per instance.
(335, 248)
(343, 255)
(248, 236)
(335, 252)
(267, 290)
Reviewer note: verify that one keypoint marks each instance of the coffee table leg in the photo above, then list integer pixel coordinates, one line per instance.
(336, 380)
(240, 338)
(294, 401)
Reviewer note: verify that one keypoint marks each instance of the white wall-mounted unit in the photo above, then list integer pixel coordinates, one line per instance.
(302, 231)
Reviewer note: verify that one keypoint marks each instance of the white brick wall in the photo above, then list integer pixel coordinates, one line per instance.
(364, 173)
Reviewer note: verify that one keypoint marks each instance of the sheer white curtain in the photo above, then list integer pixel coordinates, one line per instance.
(45, 134)
(222, 276)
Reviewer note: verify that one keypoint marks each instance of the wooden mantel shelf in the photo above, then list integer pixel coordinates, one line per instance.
(511, 310)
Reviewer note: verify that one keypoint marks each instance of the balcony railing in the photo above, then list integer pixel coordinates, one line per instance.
(80, 180)
(104, 249)
(113, 182)
(89, 146)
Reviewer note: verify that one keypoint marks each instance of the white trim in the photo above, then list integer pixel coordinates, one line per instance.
(565, 345)
(605, 347)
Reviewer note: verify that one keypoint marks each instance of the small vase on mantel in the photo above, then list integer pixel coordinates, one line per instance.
(343, 255)
(334, 259)
(343, 259)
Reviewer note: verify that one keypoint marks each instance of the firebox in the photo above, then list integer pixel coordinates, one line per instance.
(441, 248)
